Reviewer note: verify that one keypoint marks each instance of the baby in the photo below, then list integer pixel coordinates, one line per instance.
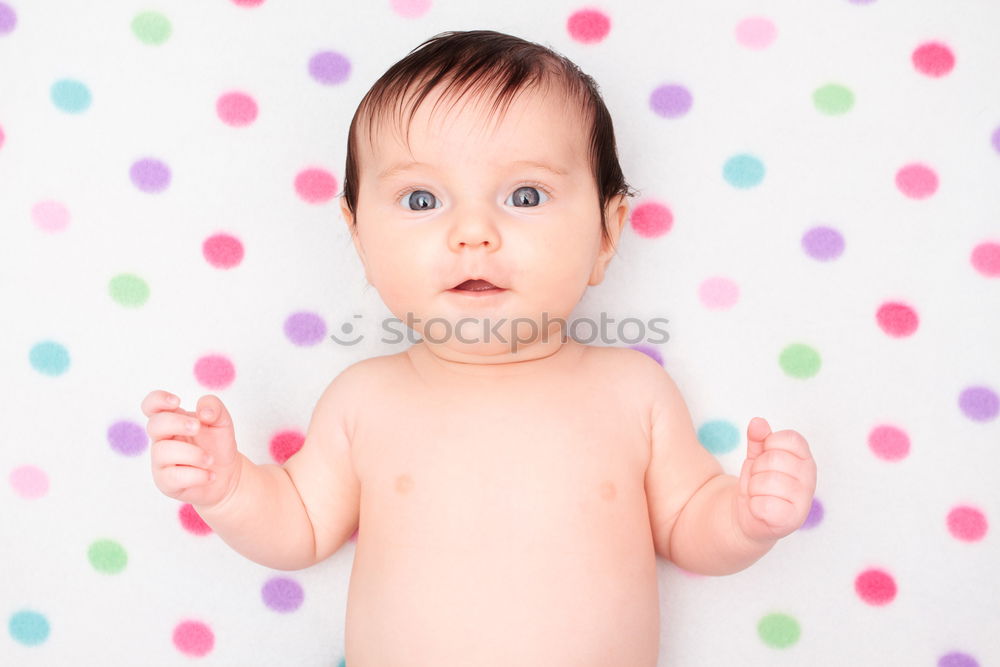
(511, 487)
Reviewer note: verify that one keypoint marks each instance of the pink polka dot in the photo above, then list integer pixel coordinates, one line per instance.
(889, 443)
(917, 181)
(50, 216)
(966, 523)
(986, 259)
(222, 251)
(285, 443)
(214, 371)
(236, 109)
(411, 9)
(191, 521)
(29, 482)
(315, 185)
(193, 637)
(2, 136)
(588, 25)
(248, 3)
(876, 587)
(897, 319)
(651, 219)
(718, 292)
(756, 32)
(933, 59)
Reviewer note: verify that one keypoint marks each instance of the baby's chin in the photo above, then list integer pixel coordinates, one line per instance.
(488, 336)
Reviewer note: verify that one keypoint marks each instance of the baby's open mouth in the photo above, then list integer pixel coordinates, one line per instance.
(477, 286)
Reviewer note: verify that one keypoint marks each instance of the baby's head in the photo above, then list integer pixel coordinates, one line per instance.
(531, 130)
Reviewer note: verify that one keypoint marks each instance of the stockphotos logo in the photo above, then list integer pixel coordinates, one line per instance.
(468, 330)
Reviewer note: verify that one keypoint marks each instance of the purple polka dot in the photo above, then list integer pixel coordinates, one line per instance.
(979, 403)
(670, 101)
(282, 594)
(650, 352)
(150, 175)
(823, 243)
(329, 67)
(128, 438)
(815, 514)
(8, 19)
(957, 659)
(305, 328)
(996, 139)
(861, 2)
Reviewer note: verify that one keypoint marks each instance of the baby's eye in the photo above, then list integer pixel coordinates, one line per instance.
(421, 200)
(526, 196)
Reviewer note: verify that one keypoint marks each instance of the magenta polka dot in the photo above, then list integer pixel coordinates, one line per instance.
(222, 251)
(815, 515)
(979, 403)
(29, 482)
(50, 216)
(191, 521)
(248, 3)
(650, 352)
(897, 319)
(315, 185)
(986, 259)
(651, 219)
(282, 594)
(718, 292)
(411, 9)
(305, 328)
(875, 586)
(329, 67)
(8, 19)
(193, 638)
(284, 444)
(2, 136)
(588, 26)
(756, 32)
(889, 443)
(150, 175)
(214, 371)
(917, 181)
(967, 523)
(823, 243)
(236, 109)
(670, 100)
(933, 59)
(127, 437)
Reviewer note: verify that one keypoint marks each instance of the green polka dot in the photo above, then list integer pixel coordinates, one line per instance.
(833, 99)
(70, 95)
(743, 171)
(129, 290)
(719, 436)
(778, 630)
(151, 27)
(107, 556)
(799, 361)
(49, 357)
(28, 627)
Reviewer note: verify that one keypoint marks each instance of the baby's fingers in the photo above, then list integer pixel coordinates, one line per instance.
(158, 400)
(167, 453)
(166, 425)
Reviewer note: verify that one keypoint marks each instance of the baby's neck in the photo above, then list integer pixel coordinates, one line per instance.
(528, 358)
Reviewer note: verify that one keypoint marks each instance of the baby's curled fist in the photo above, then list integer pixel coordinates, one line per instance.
(194, 455)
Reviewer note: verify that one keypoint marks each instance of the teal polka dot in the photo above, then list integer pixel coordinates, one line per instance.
(49, 357)
(70, 95)
(743, 171)
(719, 436)
(28, 627)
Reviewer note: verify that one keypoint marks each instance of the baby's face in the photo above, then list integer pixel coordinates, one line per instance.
(481, 203)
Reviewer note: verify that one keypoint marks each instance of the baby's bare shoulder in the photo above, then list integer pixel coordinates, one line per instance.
(626, 363)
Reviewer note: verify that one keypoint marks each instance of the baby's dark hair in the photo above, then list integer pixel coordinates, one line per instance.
(485, 60)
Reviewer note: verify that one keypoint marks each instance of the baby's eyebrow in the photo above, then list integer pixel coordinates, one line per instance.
(394, 169)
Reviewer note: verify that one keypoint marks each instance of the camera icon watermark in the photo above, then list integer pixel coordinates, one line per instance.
(470, 330)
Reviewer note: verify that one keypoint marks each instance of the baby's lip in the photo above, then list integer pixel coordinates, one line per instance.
(474, 283)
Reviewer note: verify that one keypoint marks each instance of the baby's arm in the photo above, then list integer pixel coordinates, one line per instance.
(704, 520)
(293, 516)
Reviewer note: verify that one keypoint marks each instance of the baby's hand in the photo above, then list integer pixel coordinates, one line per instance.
(194, 454)
(777, 482)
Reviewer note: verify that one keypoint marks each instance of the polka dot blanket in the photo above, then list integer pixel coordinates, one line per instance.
(816, 237)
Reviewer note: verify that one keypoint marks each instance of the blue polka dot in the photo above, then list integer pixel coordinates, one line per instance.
(743, 171)
(49, 357)
(28, 627)
(70, 95)
(719, 436)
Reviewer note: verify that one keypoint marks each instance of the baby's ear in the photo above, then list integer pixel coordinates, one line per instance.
(616, 214)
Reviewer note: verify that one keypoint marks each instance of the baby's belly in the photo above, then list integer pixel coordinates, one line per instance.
(508, 569)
